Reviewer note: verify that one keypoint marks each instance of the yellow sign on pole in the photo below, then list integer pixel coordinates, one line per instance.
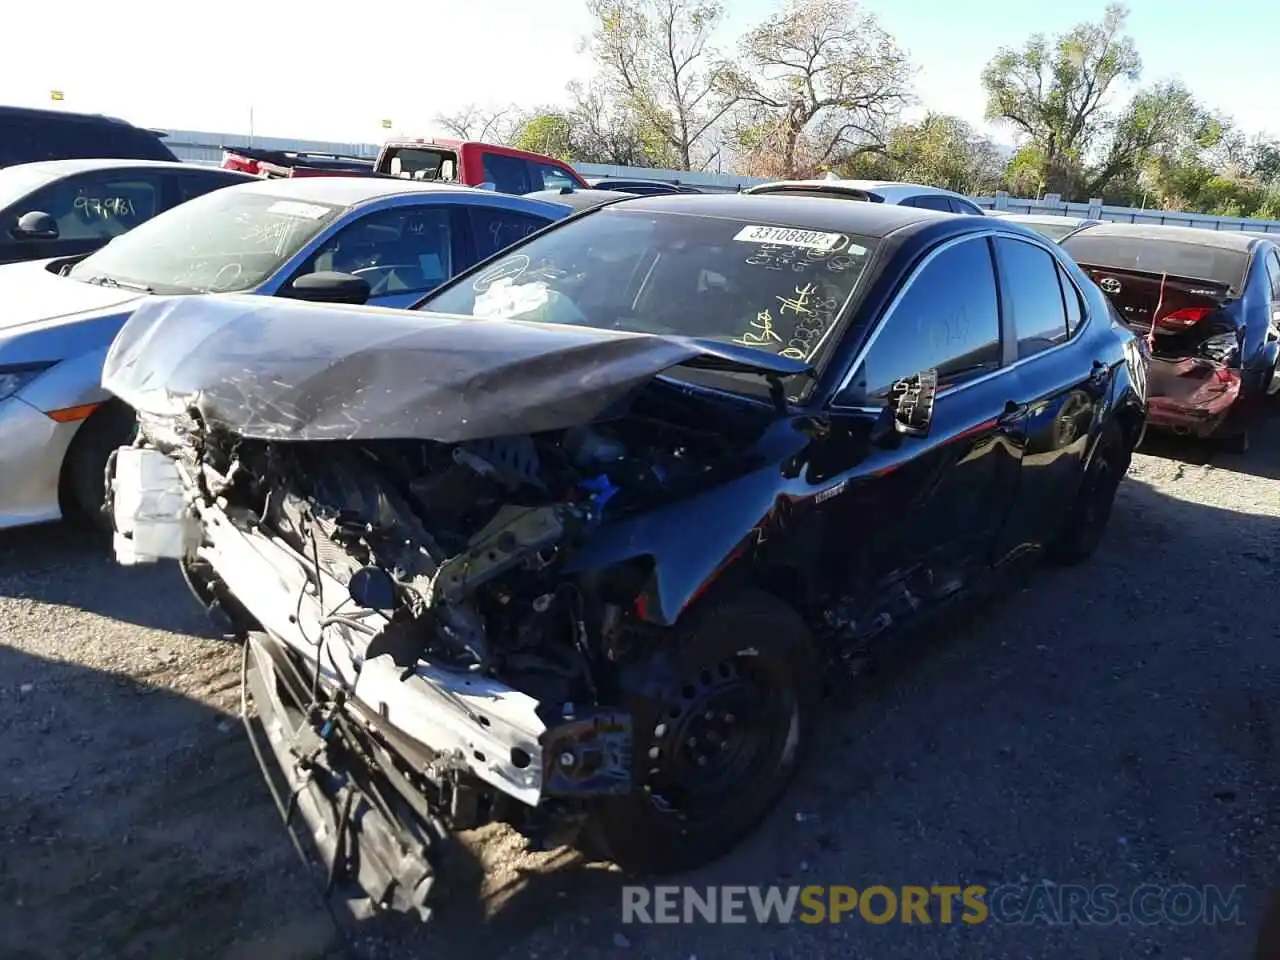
(56, 95)
(386, 124)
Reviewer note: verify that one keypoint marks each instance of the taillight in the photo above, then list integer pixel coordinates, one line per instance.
(1226, 375)
(1184, 318)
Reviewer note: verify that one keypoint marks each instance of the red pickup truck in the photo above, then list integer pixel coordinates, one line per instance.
(476, 164)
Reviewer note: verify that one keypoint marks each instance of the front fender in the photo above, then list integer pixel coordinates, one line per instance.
(690, 541)
(73, 382)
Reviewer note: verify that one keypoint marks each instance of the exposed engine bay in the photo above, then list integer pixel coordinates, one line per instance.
(458, 544)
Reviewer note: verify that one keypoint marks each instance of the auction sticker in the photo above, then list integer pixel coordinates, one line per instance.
(788, 237)
(295, 208)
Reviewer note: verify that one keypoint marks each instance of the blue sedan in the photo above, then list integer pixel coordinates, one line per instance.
(384, 242)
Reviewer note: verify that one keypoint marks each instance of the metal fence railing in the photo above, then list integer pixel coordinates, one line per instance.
(206, 148)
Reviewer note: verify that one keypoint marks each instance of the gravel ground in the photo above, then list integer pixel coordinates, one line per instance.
(1109, 724)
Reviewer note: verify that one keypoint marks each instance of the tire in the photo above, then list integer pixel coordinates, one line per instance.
(745, 650)
(84, 470)
(1087, 519)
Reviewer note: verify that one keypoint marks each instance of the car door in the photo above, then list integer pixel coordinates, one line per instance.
(1055, 389)
(402, 251)
(936, 500)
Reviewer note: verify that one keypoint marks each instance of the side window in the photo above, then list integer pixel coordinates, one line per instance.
(1071, 297)
(1035, 302)
(403, 250)
(192, 185)
(964, 206)
(494, 228)
(1273, 274)
(551, 177)
(933, 202)
(507, 174)
(948, 319)
(99, 206)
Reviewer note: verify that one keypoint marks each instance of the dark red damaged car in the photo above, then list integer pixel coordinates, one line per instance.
(1208, 304)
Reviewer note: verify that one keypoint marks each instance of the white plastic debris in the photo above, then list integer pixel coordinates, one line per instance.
(149, 507)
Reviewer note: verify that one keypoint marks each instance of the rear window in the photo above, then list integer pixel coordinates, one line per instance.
(1195, 261)
(1053, 231)
(419, 163)
(819, 193)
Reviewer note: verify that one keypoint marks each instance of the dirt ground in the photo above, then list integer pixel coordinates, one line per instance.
(1113, 723)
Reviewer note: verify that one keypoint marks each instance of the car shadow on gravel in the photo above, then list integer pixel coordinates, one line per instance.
(68, 565)
(1262, 460)
(1114, 722)
(133, 823)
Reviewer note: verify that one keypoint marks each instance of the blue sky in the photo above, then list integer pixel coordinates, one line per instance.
(331, 69)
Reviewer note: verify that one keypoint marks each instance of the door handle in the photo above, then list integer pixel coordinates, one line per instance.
(1013, 411)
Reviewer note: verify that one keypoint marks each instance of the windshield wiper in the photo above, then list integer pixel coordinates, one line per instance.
(102, 280)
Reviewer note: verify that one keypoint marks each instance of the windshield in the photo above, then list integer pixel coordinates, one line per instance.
(1196, 261)
(779, 288)
(226, 241)
(17, 182)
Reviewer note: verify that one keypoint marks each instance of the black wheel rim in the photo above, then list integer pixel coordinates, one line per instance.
(726, 733)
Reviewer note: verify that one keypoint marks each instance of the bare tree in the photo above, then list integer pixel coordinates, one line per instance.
(819, 80)
(656, 63)
(487, 124)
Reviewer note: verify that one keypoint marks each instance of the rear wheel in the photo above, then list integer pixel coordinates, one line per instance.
(718, 739)
(84, 471)
(1087, 520)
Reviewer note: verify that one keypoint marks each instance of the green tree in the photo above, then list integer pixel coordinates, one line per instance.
(945, 151)
(819, 82)
(1054, 91)
(546, 131)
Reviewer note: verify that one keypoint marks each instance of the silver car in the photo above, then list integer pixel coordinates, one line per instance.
(874, 191)
(334, 239)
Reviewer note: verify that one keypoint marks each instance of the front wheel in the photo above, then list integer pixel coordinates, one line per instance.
(84, 472)
(718, 736)
(1088, 516)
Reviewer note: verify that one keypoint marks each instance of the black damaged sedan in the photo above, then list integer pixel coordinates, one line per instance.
(572, 545)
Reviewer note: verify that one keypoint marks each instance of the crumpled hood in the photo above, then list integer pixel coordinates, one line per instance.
(286, 370)
(33, 298)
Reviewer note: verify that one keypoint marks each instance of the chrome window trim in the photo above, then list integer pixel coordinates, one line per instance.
(987, 234)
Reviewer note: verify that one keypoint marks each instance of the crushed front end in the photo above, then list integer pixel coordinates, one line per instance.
(455, 551)
(406, 682)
